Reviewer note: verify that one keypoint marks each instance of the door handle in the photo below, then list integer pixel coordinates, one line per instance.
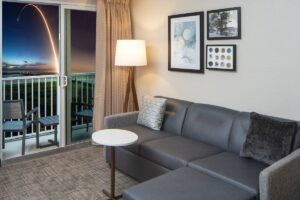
(64, 81)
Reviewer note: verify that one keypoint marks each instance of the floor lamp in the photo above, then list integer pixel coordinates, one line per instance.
(130, 53)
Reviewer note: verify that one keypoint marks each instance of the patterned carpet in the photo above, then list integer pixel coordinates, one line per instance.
(77, 174)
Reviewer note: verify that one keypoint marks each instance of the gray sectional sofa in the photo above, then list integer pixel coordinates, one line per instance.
(195, 156)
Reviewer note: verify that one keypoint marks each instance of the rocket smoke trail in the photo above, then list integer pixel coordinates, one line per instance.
(48, 30)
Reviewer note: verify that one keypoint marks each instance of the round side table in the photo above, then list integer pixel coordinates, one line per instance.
(113, 138)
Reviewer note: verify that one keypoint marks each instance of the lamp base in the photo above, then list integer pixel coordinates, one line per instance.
(130, 86)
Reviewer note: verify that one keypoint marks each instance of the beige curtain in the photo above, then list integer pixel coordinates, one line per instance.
(113, 23)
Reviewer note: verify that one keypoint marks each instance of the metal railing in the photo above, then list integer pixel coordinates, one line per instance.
(42, 92)
(35, 91)
(82, 92)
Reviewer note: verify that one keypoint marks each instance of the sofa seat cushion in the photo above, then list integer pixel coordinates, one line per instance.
(144, 134)
(186, 183)
(230, 167)
(174, 152)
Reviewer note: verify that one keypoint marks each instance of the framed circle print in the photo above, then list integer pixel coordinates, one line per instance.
(221, 57)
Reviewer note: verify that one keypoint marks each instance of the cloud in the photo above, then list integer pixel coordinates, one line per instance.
(35, 67)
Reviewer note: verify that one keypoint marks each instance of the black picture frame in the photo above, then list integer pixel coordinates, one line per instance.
(233, 61)
(238, 28)
(200, 31)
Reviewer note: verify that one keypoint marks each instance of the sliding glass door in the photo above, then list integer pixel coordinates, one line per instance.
(30, 71)
(1, 138)
(48, 62)
(80, 37)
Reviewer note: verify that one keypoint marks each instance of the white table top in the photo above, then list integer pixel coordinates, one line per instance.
(114, 137)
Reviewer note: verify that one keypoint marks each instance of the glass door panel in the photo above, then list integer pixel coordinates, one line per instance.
(30, 69)
(80, 36)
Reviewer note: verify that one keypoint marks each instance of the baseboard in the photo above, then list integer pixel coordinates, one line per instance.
(45, 153)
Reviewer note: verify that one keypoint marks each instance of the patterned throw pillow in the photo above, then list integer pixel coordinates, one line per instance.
(152, 112)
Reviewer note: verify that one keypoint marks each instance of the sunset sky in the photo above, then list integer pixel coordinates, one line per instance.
(83, 31)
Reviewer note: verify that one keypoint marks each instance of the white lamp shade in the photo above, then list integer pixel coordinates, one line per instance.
(131, 53)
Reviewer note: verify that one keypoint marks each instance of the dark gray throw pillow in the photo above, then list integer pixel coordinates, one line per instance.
(268, 140)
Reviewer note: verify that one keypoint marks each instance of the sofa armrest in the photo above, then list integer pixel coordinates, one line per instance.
(121, 120)
(281, 180)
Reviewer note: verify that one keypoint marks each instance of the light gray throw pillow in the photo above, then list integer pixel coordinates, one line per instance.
(152, 112)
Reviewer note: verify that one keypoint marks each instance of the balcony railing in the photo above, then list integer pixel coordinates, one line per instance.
(82, 93)
(42, 92)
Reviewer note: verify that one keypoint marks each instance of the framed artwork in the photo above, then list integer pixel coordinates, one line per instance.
(221, 57)
(186, 42)
(224, 24)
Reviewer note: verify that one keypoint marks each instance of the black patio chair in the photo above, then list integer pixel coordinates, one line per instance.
(15, 120)
(86, 112)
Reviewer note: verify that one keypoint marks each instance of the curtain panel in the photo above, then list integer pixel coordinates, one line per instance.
(113, 23)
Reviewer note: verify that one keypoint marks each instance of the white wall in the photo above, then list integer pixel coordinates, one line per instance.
(268, 56)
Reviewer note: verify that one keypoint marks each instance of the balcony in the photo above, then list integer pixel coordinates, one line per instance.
(43, 92)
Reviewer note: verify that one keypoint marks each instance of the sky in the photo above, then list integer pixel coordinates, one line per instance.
(26, 44)
(83, 37)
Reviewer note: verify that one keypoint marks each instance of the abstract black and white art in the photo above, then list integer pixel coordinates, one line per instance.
(221, 57)
(186, 42)
(224, 24)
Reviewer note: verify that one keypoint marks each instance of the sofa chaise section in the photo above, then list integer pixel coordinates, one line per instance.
(186, 184)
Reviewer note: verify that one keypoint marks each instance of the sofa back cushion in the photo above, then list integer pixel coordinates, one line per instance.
(209, 124)
(240, 130)
(174, 115)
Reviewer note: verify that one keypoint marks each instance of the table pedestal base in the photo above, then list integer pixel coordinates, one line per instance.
(110, 197)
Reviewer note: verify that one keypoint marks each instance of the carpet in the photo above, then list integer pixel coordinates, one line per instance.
(77, 174)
